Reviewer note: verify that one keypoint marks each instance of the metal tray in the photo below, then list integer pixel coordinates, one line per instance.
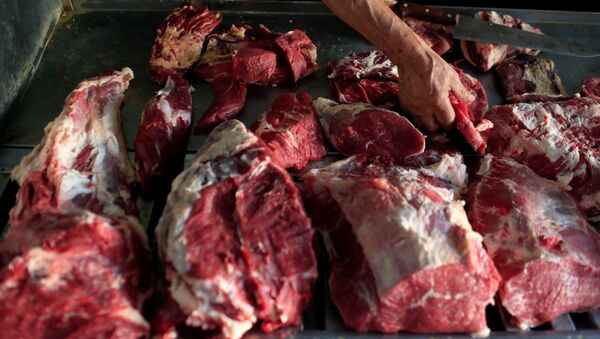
(99, 35)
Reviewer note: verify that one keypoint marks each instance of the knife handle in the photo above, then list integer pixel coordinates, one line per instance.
(410, 9)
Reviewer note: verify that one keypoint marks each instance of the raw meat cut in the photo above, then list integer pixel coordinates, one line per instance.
(546, 252)
(531, 81)
(234, 240)
(162, 136)
(469, 117)
(382, 93)
(71, 286)
(373, 64)
(368, 77)
(229, 98)
(82, 160)
(179, 41)
(559, 141)
(436, 36)
(486, 55)
(403, 253)
(291, 131)
(299, 51)
(254, 65)
(236, 58)
(75, 248)
(368, 130)
(591, 87)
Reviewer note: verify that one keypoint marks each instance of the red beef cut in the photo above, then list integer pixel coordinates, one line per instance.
(404, 257)
(368, 77)
(559, 141)
(254, 65)
(247, 54)
(291, 131)
(591, 87)
(82, 160)
(486, 55)
(546, 252)
(368, 130)
(299, 51)
(436, 36)
(229, 98)
(382, 93)
(179, 41)
(162, 136)
(75, 248)
(469, 117)
(234, 240)
(530, 82)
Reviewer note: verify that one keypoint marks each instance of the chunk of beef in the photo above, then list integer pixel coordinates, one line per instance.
(546, 252)
(531, 81)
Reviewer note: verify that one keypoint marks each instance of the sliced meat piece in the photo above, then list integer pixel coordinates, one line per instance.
(254, 65)
(373, 64)
(162, 136)
(560, 141)
(368, 130)
(468, 117)
(300, 53)
(82, 160)
(234, 240)
(403, 253)
(531, 81)
(382, 93)
(591, 87)
(546, 252)
(291, 131)
(179, 41)
(229, 98)
(486, 55)
(436, 36)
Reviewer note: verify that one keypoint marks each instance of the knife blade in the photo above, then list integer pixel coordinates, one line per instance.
(468, 28)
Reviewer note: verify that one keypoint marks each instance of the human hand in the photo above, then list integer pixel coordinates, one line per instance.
(425, 84)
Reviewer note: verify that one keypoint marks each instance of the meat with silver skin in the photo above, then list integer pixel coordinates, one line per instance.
(546, 252)
(234, 241)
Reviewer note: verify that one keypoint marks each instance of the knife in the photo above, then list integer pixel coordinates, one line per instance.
(468, 28)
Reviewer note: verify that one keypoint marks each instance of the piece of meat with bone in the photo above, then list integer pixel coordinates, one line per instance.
(363, 129)
(469, 117)
(368, 77)
(486, 55)
(559, 141)
(82, 160)
(235, 243)
(179, 41)
(403, 253)
(436, 36)
(229, 98)
(291, 131)
(531, 81)
(162, 136)
(75, 248)
(591, 87)
(254, 65)
(546, 252)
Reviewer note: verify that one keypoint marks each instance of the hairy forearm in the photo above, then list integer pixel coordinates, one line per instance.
(374, 20)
